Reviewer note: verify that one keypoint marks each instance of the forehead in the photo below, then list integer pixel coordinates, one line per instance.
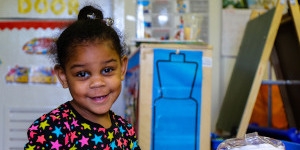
(99, 47)
(92, 50)
(94, 41)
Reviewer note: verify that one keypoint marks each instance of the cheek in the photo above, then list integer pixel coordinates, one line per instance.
(77, 89)
(116, 84)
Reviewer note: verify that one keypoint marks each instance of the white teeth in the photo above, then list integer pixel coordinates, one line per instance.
(99, 98)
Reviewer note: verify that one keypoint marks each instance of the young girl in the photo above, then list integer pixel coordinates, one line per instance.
(91, 63)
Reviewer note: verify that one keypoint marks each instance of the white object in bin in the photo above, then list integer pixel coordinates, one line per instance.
(252, 141)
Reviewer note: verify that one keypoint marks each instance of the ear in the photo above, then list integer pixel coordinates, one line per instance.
(61, 75)
(124, 63)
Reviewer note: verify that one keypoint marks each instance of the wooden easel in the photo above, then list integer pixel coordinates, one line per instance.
(251, 63)
(285, 60)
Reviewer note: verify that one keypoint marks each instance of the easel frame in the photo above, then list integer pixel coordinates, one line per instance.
(238, 118)
(261, 69)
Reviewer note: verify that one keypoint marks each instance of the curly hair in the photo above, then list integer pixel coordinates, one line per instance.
(89, 27)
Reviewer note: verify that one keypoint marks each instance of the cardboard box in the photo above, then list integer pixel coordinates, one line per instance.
(168, 90)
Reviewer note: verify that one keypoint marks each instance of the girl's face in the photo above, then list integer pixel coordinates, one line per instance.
(93, 75)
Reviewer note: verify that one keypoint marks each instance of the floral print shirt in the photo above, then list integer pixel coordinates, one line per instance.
(64, 128)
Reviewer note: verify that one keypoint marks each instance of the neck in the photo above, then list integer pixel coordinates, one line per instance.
(102, 119)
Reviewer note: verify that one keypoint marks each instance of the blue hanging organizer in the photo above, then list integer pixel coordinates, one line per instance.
(176, 99)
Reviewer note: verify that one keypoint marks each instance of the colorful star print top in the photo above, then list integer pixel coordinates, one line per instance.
(64, 128)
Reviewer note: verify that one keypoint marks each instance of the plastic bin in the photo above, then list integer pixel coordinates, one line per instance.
(288, 145)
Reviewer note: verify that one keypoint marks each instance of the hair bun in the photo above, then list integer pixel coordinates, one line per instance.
(90, 12)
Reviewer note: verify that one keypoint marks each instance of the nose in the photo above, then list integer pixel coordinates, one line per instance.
(97, 81)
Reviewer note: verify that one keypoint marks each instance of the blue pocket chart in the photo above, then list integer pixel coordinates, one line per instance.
(177, 83)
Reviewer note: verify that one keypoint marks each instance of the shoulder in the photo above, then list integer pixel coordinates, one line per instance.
(121, 122)
(127, 130)
(118, 119)
(55, 115)
(49, 128)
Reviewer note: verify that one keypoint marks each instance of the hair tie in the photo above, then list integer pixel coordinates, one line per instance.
(108, 21)
(91, 16)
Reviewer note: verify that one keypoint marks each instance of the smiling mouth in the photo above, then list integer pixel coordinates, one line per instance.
(99, 98)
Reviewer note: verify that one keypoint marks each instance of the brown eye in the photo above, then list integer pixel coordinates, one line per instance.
(83, 74)
(107, 71)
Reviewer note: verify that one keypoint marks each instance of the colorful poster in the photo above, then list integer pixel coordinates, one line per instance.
(39, 45)
(32, 40)
(21, 74)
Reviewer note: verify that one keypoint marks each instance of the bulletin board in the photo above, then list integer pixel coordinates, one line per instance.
(28, 29)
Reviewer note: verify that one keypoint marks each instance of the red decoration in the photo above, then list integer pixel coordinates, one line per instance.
(35, 24)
